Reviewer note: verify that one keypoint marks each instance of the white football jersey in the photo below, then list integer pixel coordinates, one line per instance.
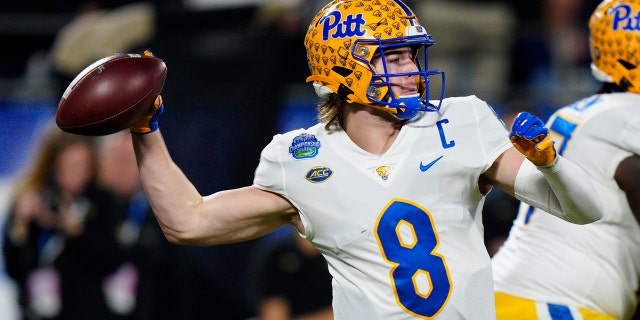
(596, 265)
(402, 231)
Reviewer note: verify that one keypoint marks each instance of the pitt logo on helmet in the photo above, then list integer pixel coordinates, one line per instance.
(622, 14)
(318, 174)
(334, 26)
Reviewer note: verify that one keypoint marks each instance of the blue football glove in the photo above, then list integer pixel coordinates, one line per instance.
(532, 139)
(149, 123)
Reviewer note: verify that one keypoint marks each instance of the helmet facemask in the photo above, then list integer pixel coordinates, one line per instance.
(380, 91)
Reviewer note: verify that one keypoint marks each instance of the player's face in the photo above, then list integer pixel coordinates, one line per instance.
(399, 60)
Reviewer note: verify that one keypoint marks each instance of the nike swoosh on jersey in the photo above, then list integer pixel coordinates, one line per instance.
(425, 167)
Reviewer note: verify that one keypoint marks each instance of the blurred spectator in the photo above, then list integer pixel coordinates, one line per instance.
(158, 280)
(60, 242)
(138, 288)
(292, 280)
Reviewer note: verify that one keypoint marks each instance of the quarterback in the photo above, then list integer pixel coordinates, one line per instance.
(389, 185)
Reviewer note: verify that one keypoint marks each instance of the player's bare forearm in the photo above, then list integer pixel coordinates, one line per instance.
(186, 217)
(172, 196)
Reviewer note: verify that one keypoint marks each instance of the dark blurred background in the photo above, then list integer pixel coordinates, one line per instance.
(236, 77)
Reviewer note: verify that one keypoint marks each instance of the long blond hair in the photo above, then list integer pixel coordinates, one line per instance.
(330, 111)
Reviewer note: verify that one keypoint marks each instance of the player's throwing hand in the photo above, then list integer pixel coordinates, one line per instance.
(149, 123)
(531, 138)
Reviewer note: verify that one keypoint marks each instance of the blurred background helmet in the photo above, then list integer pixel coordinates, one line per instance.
(615, 43)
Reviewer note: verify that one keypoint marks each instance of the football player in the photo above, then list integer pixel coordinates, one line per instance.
(389, 185)
(551, 269)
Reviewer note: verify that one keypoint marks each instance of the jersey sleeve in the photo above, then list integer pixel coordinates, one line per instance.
(269, 174)
(492, 132)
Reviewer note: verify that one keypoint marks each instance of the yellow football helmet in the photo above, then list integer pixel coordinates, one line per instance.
(341, 42)
(615, 43)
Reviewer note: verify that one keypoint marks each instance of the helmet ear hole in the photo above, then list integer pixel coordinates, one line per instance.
(341, 71)
(627, 65)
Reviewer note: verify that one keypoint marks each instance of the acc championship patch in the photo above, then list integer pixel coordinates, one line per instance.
(304, 146)
(318, 174)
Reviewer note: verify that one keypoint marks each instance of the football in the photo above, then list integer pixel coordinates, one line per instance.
(111, 94)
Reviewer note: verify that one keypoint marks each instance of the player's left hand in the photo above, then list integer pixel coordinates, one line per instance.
(532, 139)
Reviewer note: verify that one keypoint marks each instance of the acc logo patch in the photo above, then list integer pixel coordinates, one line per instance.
(304, 146)
(318, 174)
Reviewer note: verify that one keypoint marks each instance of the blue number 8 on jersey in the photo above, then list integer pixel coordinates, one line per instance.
(408, 241)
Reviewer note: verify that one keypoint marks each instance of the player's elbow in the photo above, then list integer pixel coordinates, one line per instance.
(173, 239)
(174, 236)
(180, 236)
(185, 238)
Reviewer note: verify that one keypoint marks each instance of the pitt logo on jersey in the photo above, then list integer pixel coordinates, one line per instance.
(318, 174)
(333, 26)
(383, 172)
(624, 19)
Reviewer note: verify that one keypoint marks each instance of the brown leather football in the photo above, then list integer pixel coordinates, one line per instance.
(111, 94)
